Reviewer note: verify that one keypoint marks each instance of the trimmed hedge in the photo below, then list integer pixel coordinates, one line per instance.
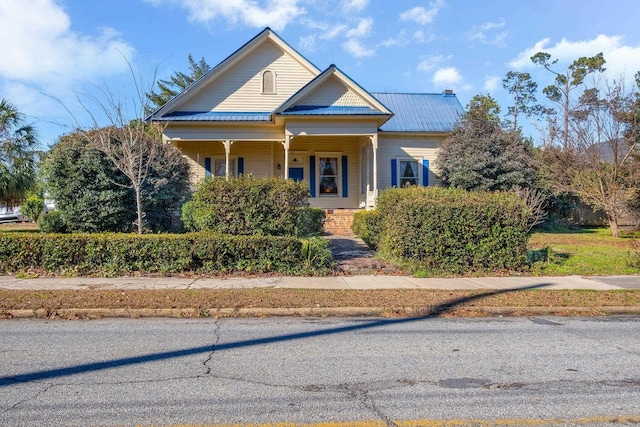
(443, 230)
(368, 226)
(121, 254)
(252, 206)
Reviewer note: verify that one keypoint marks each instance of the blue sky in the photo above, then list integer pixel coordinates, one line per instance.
(56, 52)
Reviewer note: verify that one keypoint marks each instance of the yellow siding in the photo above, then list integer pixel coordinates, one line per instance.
(240, 88)
(341, 146)
(331, 127)
(397, 147)
(333, 93)
(221, 131)
(256, 156)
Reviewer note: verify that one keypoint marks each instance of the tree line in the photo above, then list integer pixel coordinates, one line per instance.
(588, 147)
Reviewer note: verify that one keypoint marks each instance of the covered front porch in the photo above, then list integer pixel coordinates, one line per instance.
(340, 169)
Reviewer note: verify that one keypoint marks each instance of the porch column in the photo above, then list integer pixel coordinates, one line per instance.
(286, 144)
(374, 145)
(227, 150)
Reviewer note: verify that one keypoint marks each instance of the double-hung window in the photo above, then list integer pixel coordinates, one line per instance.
(408, 173)
(328, 176)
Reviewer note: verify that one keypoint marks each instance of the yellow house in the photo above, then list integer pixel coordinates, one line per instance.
(267, 111)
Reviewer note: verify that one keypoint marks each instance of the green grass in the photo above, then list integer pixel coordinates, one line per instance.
(587, 251)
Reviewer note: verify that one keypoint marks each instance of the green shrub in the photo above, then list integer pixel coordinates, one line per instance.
(452, 230)
(94, 196)
(52, 222)
(309, 222)
(251, 206)
(121, 254)
(368, 225)
(32, 207)
(634, 254)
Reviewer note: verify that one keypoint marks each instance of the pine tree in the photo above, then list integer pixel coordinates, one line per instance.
(179, 81)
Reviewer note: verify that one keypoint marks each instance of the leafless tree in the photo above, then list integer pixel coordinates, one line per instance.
(595, 161)
(536, 201)
(127, 140)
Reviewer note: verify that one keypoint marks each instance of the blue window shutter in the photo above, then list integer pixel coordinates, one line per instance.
(425, 172)
(345, 178)
(312, 176)
(394, 173)
(207, 166)
(240, 165)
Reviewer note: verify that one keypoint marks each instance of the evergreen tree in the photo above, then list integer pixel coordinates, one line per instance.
(179, 81)
(18, 153)
(481, 155)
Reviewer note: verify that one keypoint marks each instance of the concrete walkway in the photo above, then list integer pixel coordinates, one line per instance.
(333, 282)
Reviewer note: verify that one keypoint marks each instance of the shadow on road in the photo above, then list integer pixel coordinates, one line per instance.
(432, 312)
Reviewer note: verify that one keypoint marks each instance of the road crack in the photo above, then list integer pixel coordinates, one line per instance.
(361, 393)
(216, 338)
(39, 393)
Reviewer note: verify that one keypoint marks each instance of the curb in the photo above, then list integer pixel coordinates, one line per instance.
(471, 311)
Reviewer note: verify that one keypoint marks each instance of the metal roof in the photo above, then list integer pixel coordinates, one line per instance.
(420, 112)
(319, 110)
(215, 116)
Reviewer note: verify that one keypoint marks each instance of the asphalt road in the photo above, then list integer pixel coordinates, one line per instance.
(547, 371)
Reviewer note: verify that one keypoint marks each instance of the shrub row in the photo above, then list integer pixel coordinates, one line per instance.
(449, 230)
(121, 254)
(252, 206)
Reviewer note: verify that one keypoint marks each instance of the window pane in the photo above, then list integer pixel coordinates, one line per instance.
(408, 173)
(328, 185)
(219, 167)
(328, 175)
(329, 166)
(268, 81)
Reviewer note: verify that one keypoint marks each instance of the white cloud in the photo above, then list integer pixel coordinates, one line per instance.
(333, 32)
(421, 15)
(449, 76)
(491, 83)
(486, 33)
(400, 40)
(404, 39)
(428, 63)
(621, 60)
(421, 37)
(354, 44)
(307, 43)
(38, 46)
(354, 5)
(276, 14)
(357, 49)
(362, 30)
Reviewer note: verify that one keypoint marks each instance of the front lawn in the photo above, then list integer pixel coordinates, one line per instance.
(586, 251)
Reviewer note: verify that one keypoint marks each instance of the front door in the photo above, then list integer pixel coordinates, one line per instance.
(296, 174)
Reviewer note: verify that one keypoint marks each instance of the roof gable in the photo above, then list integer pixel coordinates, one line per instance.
(333, 92)
(238, 78)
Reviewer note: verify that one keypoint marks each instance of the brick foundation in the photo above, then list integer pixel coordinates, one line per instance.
(338, 221)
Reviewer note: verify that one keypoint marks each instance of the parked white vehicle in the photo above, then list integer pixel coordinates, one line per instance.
(8, 214)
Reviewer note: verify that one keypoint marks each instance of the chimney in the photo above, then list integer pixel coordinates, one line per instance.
(448, 92)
